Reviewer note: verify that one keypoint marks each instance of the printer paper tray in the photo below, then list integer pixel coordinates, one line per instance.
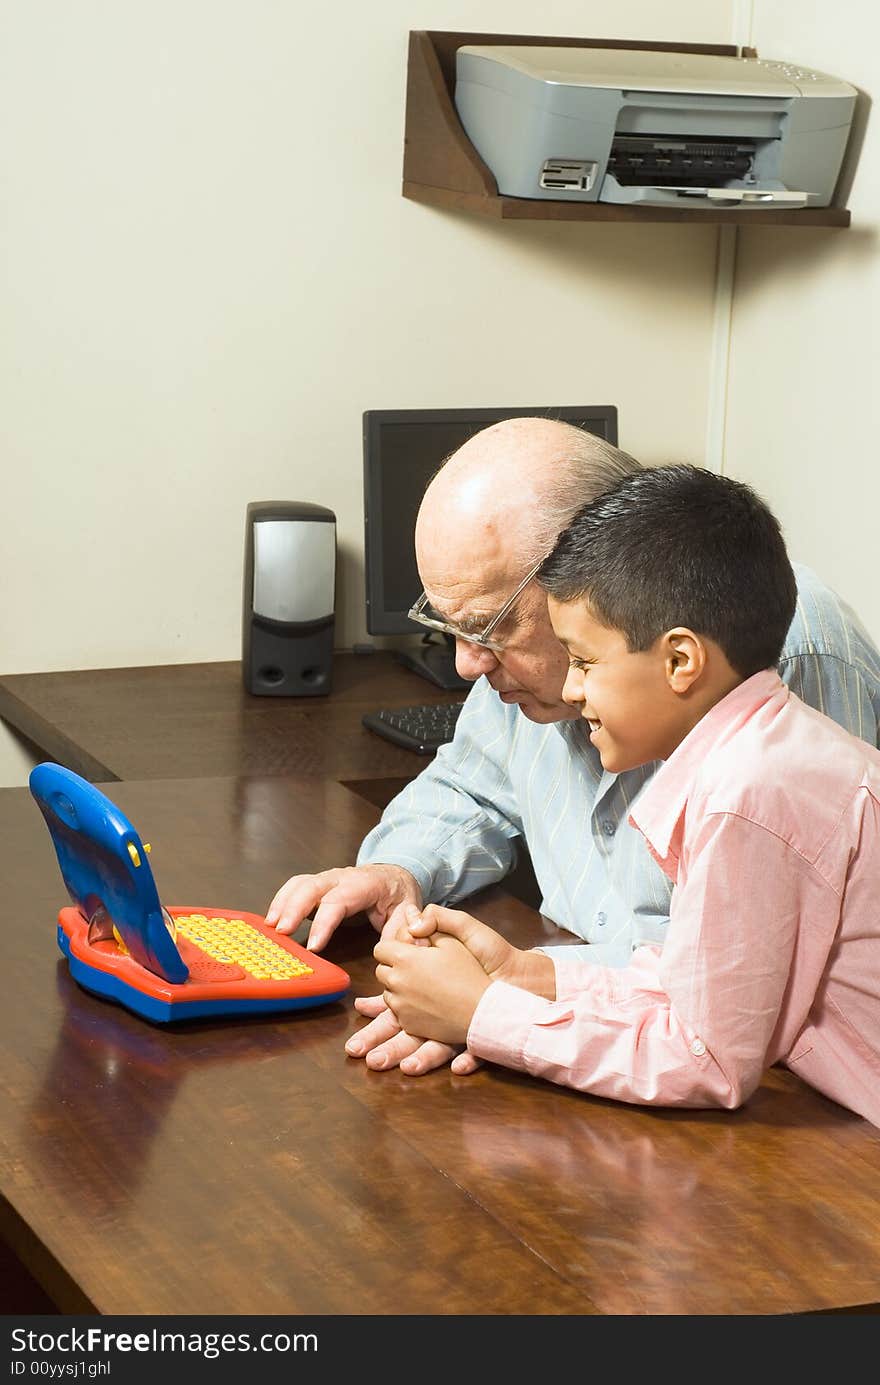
(612, 191)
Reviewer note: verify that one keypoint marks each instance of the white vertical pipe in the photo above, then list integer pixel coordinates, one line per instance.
(719, 354)
(741, 23)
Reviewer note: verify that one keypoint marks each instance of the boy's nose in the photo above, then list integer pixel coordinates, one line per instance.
(573, 688)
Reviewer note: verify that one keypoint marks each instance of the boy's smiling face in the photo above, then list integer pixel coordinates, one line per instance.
(630, 701)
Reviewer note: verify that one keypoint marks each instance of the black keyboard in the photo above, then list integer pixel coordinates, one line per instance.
(422, 729)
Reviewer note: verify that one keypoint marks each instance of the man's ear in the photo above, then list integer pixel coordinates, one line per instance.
(684, 657)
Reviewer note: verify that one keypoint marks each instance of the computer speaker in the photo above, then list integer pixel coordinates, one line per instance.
(289, 597)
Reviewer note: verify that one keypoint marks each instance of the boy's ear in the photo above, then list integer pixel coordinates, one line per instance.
(684, 655)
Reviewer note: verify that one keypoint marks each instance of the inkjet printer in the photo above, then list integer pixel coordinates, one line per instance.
(653, 128)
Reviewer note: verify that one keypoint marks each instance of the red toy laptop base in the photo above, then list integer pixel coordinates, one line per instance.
(237, 964)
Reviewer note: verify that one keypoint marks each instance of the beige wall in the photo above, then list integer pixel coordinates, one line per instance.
(804, 363)
(210, 274)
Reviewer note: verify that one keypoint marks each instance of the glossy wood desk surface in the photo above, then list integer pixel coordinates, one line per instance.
(249, 1166)
(190, 720)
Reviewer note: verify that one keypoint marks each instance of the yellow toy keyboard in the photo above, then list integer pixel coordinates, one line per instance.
(237, 943)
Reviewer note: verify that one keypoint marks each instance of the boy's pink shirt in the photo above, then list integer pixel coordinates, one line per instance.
(767, 820)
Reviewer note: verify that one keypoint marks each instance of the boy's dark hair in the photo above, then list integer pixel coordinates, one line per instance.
(679, 545)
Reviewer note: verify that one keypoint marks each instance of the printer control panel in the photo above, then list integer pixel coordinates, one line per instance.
(794, 74)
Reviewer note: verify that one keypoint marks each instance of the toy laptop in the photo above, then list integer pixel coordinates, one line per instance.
(164, 964)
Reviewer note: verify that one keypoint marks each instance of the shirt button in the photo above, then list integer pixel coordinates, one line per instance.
(601, 919)
(698, 1048)
(608, 827)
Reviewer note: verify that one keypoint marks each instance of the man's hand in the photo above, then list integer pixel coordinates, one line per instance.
(333, 895)
(383, 1044)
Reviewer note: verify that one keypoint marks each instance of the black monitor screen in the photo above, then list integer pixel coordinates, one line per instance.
(403, 448)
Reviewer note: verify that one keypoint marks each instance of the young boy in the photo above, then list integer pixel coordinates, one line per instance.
(672, 594)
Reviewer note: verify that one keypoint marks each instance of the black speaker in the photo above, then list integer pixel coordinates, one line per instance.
(289, 596)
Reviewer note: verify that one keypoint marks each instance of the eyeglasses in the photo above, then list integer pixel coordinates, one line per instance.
(423, 613)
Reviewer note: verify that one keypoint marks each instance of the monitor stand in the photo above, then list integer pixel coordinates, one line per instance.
(436, 662)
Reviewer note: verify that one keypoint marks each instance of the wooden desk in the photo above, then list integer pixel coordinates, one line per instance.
(191, 720)
(250, 1167)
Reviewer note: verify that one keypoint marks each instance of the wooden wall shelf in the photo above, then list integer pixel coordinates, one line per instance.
(442, 168)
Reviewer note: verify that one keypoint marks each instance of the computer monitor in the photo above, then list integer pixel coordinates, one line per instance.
(403, 448)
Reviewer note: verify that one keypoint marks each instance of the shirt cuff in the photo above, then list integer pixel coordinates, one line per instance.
(504, 1017)
(423, 878)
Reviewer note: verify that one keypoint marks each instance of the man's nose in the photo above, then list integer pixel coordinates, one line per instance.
(573, 688)
(472, 661)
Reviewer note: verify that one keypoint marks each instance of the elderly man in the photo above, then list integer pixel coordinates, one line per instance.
(519, 766)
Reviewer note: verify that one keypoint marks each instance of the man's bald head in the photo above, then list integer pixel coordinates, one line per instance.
(498, 504)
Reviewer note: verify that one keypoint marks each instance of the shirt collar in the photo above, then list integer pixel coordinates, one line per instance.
(658, 813)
